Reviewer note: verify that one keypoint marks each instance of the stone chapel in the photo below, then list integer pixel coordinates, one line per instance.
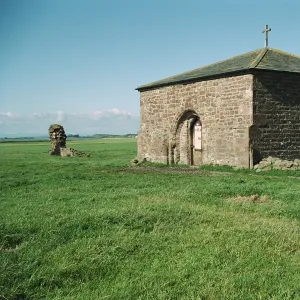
(234, 112)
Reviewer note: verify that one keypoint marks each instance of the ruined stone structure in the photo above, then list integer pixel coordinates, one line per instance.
(234, 112)
(58, 139)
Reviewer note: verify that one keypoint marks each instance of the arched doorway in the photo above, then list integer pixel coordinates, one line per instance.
(195, 141)
(188, 139)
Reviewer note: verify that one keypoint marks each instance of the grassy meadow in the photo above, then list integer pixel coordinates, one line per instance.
(96, 228)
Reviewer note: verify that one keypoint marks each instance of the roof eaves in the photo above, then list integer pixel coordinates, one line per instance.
(277, 70)
(190, 80)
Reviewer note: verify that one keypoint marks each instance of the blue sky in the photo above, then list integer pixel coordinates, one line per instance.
(78, 62)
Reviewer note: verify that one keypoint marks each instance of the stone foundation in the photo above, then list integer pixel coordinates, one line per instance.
(273, 163)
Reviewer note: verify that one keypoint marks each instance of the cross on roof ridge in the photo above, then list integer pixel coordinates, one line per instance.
(266, 31)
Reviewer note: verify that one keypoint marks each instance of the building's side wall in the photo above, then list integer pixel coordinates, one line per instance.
(276, 116)
(225, 109)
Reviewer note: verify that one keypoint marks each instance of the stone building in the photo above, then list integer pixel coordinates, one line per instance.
(234, 112)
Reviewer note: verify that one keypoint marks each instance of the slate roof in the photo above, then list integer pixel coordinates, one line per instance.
(261, 59)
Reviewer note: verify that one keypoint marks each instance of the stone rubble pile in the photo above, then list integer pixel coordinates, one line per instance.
(58, 139)
(273, 163)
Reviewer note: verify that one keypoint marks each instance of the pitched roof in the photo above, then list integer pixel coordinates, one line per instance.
(262, 59)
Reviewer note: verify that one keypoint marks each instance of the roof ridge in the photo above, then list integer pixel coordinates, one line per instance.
(259, 58)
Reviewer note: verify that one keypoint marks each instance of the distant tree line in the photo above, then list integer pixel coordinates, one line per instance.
(102, 136)
(74, 136)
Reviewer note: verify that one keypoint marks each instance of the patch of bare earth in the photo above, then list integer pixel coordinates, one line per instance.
(10, 243)
(249, 199)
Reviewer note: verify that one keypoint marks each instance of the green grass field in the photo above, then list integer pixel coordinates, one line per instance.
(96, 228)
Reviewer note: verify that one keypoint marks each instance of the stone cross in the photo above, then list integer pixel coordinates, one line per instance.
(266, 31)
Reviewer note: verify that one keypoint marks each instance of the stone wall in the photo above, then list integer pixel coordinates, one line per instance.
(224, 107)
(276, 116)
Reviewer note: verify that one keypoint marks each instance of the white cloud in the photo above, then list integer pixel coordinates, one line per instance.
(61, 117)
(98, 114)
(95, 115)
(114, 121)
(8, 115)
